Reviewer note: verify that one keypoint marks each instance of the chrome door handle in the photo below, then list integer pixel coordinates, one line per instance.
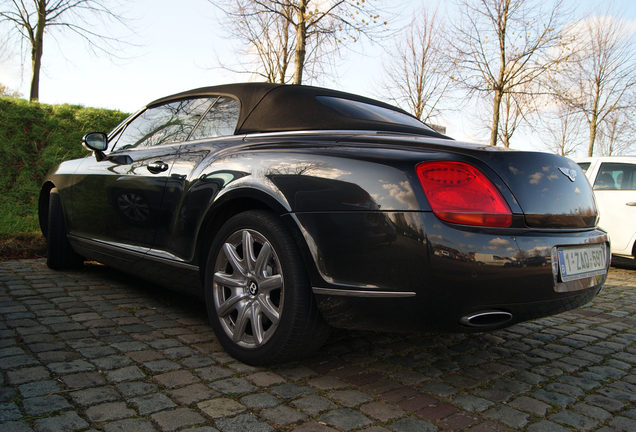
(633, 203)
(157, 167)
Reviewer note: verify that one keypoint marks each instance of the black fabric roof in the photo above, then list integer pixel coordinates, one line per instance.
(267, 107)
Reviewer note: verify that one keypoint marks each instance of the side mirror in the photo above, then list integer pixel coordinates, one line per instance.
(96, 142)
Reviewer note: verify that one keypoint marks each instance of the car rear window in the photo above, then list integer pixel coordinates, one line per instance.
(364, 111)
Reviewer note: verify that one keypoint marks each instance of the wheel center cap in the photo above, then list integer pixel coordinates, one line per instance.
(253, 288)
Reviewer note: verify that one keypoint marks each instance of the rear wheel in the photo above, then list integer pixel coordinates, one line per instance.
(59, 253)
(257, 292)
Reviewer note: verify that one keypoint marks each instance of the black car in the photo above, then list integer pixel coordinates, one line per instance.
(294, 209)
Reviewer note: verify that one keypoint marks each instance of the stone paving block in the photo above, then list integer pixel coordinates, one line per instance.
(349, 398)
(9, 411)
(94, 396)
(176, 379)
(292, 390)
(192, 394)
(13, 362)
(213, 373)
(619, 395)
(162, 366)
(591, 411)
(623, 424)
(436, 411)
(128, 425)
(177, 419)
(265, 379)
(472, 403)
(382, 411)
(264, 400)
(152, 403)
(493, 394)
(196, 362)
(412, 425)
(546, 426)
(83, 380)
(346, 419)
(553, 398)
(313, 404)
(233, 386)
(565, 389)
(606, 403)
(576, 421)
(69, 421)
(313, 426)
(74, 366)
(38, 388)
(221, 407)
(109, 412)
(44, 404)
(14, 426)
(439, 389)
(508, 416)
(242, 423)
(458, 421)
(129, 373)
(282, 415)
(136, 388)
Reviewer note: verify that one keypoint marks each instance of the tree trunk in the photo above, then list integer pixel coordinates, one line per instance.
(301, 40)
(37, 45)
(593, 125)
(496, 108)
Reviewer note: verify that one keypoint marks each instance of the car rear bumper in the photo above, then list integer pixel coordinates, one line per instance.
(407, 271)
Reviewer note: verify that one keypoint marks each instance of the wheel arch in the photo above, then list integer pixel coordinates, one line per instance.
(239, 201)
(43, 207)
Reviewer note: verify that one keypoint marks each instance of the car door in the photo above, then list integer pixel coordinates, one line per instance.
(118, 199)
(615, 191)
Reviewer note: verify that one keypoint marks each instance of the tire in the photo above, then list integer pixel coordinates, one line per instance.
(59, 253)
(261, 305)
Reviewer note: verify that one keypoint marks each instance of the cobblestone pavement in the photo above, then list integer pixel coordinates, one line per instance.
(98, 350)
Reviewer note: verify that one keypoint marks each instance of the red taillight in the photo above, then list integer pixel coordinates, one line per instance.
(460, 193)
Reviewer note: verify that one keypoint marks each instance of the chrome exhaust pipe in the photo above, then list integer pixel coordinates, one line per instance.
(486, 319)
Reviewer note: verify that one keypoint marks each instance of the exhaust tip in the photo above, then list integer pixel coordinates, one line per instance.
(486, 319)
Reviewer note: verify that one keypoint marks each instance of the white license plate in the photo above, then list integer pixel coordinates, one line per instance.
(581, 262)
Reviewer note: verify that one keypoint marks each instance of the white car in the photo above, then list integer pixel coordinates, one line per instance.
(613, 179)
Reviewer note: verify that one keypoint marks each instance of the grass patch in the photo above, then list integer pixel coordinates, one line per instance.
(33, 138)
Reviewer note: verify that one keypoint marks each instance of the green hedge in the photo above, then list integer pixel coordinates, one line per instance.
(33, 138)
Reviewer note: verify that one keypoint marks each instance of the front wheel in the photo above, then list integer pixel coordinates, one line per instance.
(257, 292)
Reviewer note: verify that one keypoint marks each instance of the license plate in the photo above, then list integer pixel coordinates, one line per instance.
(582, 262)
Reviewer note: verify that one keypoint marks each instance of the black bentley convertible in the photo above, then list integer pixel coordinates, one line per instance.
(293, 209)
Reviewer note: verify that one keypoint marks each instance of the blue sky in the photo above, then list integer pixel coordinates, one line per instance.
(178, 41)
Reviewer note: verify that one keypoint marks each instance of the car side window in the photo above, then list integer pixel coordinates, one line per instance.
(220, 120)
(616, 176)
(584, 166)
(169, 123)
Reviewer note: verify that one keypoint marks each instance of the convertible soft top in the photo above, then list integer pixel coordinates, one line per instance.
(267, 107)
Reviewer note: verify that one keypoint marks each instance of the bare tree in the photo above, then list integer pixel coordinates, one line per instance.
(32, 19)
(418, 70)
(616, 134)
(561, 130)
(314, 29)
(598, 79)
(502, 46)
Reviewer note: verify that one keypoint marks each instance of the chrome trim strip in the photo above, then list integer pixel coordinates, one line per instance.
(358, 293)
(169, 259)
(119, 247)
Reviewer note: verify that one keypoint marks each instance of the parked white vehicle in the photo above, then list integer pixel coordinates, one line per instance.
(613, 179)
